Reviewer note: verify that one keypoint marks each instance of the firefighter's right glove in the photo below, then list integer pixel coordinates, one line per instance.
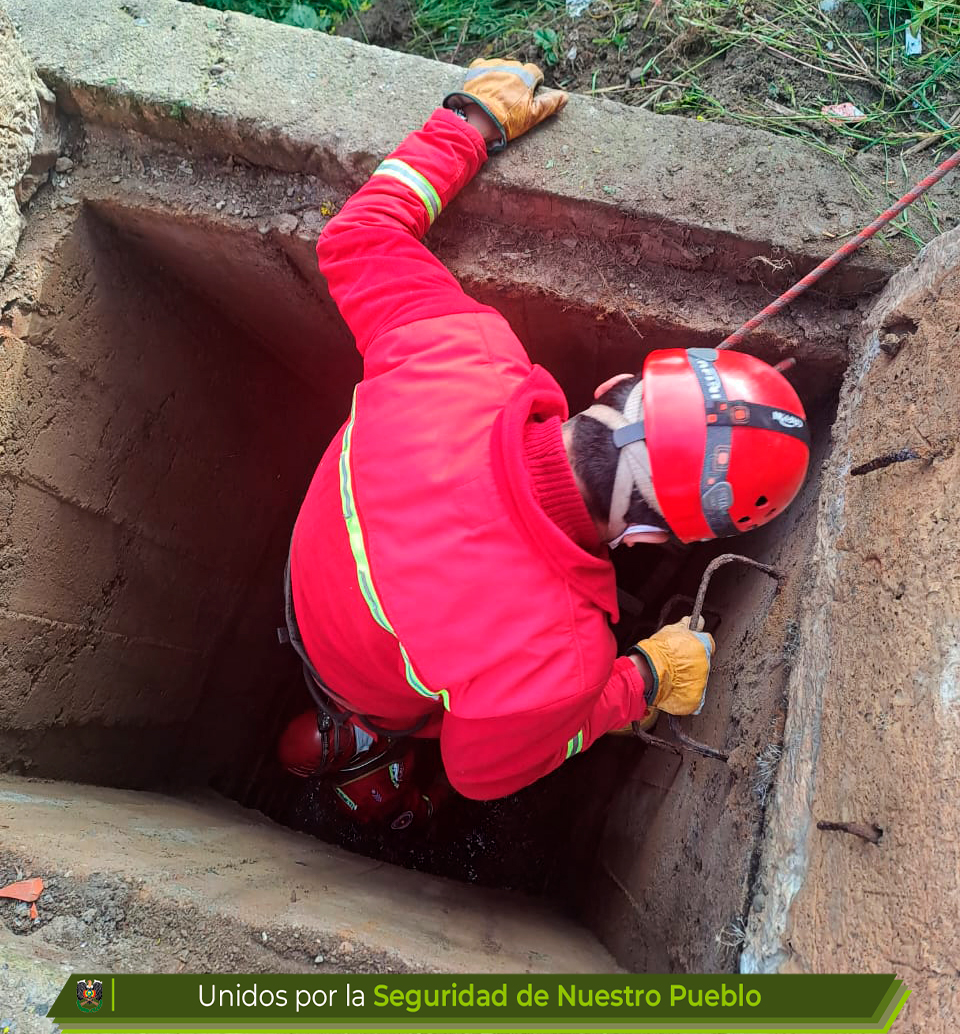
(505, 91)
(680, 661)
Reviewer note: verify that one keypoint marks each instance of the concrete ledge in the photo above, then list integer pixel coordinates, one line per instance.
(232, 891)
(874, 725)
(710, 197)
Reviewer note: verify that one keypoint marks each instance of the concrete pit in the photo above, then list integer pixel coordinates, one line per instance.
(174, 381)
(172, 370)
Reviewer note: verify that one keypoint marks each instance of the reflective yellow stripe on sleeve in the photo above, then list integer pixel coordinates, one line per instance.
(364, 577)
(348, 801)
(419, 184)
(575, 744)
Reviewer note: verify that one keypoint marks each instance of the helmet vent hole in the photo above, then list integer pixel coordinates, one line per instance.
(742, 520)
(761, 501)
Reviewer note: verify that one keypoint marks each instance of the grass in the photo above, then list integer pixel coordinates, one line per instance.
(854, 54)
(451, 30)
(323, 15)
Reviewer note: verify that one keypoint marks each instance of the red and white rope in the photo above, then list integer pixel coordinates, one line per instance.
(841, 253)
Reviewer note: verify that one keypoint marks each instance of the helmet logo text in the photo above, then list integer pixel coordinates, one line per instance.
(710, 379)
(786, 419)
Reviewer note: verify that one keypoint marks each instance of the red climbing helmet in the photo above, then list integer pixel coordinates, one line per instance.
(727, 439)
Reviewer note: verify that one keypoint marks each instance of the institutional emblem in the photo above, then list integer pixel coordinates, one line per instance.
(89, 995)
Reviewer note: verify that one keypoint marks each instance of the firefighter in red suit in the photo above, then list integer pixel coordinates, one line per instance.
(449, 574)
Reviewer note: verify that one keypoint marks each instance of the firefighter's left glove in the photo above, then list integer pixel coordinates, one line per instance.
(679, 659)
(505, 91)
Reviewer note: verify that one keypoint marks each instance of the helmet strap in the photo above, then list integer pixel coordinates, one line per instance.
(716, 492)
(633, 464)
(722, 415)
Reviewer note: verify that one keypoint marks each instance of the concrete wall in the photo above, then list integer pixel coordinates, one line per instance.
(152, 461)
(874, 726)
(682, 194)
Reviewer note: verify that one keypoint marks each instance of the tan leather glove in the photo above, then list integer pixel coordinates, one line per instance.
(505, 91)
(680, 661)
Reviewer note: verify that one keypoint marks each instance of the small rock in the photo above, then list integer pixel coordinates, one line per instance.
(629, 22)
(287, 223)
(572, 55)
(217, 69)
(248, 213)
(742, 760)
(345, 948)
(291, 191)
(318, 960)
(66, 199)
(635, 75)
(88, 915)
(64, 931)
(263, 936)
(221, 205)
(891, 344)
(114, 179)
(263, 229)
(64, 164)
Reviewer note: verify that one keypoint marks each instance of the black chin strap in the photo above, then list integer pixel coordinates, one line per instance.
(716, 492)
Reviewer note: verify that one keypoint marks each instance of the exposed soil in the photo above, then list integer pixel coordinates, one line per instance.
(110, 923)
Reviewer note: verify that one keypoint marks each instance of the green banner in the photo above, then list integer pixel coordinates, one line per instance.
(461, 1002)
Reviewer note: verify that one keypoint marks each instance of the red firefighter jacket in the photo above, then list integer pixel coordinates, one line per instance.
(443, 562)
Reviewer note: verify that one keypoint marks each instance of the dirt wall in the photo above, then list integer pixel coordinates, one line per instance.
(873, 734)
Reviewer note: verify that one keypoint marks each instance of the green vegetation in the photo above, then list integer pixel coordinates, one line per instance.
(853, 54)
(323, 15)
(462, 29)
